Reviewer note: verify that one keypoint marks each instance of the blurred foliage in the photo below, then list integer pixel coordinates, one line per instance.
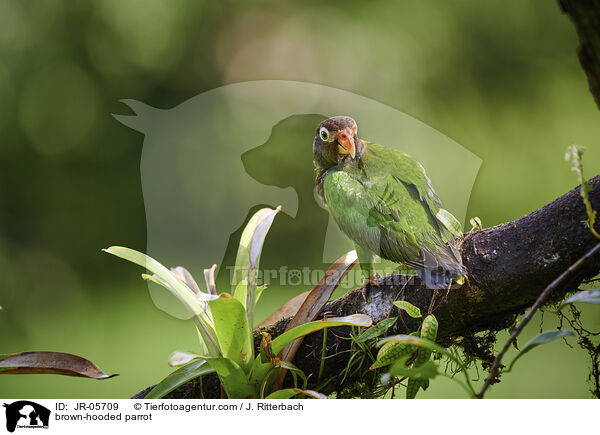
(500, 78)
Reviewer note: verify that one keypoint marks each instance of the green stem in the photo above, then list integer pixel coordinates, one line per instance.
(323, 352)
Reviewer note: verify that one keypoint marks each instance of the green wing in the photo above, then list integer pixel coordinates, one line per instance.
(410, 172)
(385, 203)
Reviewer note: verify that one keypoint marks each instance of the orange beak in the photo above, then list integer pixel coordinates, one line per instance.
(346, 144)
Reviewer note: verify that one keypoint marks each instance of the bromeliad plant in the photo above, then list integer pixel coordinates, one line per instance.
(225, 324)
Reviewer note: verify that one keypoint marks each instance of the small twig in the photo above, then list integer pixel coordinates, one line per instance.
(432, 302)
(564, 277)
(397, 298)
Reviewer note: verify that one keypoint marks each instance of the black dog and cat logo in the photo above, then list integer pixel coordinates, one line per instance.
(25, 414)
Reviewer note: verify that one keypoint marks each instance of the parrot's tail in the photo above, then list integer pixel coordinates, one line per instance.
(437, 279)
(437, 271)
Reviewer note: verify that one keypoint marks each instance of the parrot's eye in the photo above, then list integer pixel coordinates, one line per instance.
(324, 133)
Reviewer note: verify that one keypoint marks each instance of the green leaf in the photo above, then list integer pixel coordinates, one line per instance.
(429, 328)
(202, 348)
(231, 327)
(450, 222)
(413, 385)
(475, 223)
(376, 330)
(193, 369)
(259, 372)
(295, 371)
(418, 377)
(423, 368)
(427, 344)
(410, 309)
(544, 337)
(248, 257)
(195, 302)
(230, 374)
(390, 352)
(234, 379)
(264, 371)
(53, 363)
(429, 370)
(288, 393)
(591, 296)
(287, 337)
(181, 357)
(419, 342)
(247, 260)
(259, 291)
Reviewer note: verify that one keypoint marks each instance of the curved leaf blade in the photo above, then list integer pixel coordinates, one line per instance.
(248, 255)
(231, 375)
(234, 379)
(410, 309)
(55, 363)
(543, 338)
(288, 393)
(390, 352)
(428, 370)
(289, 309)
(287, 337)
(184, 275)
(209, 277)
(590, 296)
(170, 281)
(475, 223)
(376, 330)
(181, 357)
(427, 344)
(295, 372)
(232, 329)
(193, 369)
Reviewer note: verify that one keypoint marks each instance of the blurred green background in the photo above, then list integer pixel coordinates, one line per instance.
(500, 78)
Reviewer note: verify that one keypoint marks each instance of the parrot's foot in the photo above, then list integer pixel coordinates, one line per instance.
(434, 297)
(467, 279)
(371, 282)
(432, 303)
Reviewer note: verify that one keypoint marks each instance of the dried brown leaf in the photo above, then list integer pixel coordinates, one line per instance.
(314, 303)
(184, 275)
(57, 363)
(209, 276)
(289, 309)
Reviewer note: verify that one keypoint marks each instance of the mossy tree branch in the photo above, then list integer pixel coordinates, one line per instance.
(508, 267)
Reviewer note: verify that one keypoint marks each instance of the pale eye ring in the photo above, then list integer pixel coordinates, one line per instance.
(324, 134)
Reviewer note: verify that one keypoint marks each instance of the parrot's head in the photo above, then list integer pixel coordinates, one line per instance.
(336, 141)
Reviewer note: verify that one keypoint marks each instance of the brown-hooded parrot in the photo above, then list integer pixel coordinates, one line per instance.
(383, 201)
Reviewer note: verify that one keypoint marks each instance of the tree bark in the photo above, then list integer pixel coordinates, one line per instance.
(508, 266)
(585, 14)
